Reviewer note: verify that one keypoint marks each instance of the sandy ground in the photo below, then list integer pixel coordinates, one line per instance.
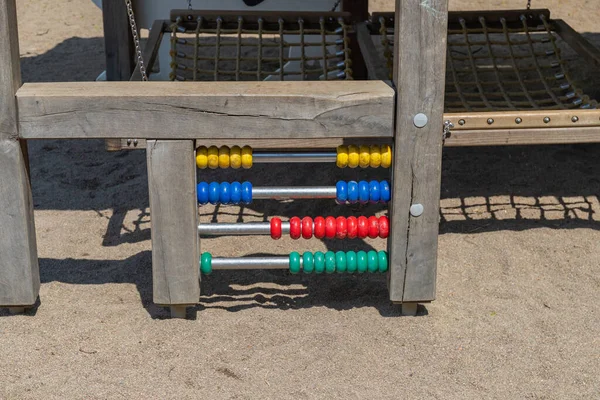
(516, 315)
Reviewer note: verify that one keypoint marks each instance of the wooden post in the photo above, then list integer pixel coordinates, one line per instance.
(19, 270)
(174, 220)
(419, 76)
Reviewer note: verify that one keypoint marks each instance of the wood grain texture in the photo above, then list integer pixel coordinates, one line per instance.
(174, 222)
(182, 110)
(19, 270)
(574, 118)
(419, 75)
(513, 137)
(118, 41)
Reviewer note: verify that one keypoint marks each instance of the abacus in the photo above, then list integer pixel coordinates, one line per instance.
(329, 91)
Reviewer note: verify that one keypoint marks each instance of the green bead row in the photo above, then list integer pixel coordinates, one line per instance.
(341, 262)
(206, 263)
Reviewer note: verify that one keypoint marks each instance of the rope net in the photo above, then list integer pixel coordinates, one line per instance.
(498, 65)
(228, 47)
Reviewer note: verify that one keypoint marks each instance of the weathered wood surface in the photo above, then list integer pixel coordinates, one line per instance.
(19, 270)
(512, 137)
(583, 47)
(174, 222)
(419, 73)
(181, 110)
(573, 118)
(118, 41)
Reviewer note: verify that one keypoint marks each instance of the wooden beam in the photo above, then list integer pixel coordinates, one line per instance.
(190, 110)
(174, 222)
(525, 119)
(19, 270)
(512, 137)
(118, 41)
(584, 48)
(419, 75)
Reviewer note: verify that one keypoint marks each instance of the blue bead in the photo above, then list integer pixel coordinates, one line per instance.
(225, 193)
(374, 192)
(385, 195)
(246, 193)
(236, 192)
(341, 190)
(202, 192)
(213, 192)
(363, 192)
(352, 192)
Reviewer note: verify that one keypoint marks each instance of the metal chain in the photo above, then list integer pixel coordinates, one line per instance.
(189, 4)
(335, 6)
(529, 4)
(136, 40)
(448, 126)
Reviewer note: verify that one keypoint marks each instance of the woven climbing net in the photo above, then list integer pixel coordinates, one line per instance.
(494, 64)
(226, 46)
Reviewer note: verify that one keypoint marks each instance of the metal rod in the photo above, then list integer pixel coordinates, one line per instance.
(232, 229)
(282, 193)
(283, 157)
(251, 263)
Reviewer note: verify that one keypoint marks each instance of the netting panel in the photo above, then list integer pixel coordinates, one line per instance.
(215, 48)
(502, 66)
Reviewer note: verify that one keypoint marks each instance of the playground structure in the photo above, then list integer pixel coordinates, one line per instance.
(505, 82)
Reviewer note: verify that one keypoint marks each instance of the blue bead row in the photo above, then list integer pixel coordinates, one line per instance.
(363, 192)
(224, 193)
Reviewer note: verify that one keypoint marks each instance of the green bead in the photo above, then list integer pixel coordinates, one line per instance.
(308, 263)
(294, 262)
(372, 262)
(351, 262)
(319, 262)
(382, 261)
(361, 258)
(330, 262)
(206, 263)
(340, 262)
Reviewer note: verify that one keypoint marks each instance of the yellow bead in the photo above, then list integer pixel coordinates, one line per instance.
(375, 161)
(201, 158)
(365, 156)
(235, 157)
(247, 157)
(213, 157)
(386, 156)
(224, 157)
(353, 157)
(342, 156)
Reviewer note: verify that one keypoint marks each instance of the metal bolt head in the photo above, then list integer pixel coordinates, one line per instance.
(416, 210)
(461, 122)
(420, 120)
(575, 118)
(518, 120)
(546, 120)
(490, 121)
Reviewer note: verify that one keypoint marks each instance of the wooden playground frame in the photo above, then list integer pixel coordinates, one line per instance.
(309, 114)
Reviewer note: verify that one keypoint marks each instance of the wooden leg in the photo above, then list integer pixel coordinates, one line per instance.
(178, 312)
(409, 309)
(419, 75)
(174, 222)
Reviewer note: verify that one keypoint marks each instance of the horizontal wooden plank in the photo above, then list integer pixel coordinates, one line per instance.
(524, 119)
(191, 110)
(511, 137)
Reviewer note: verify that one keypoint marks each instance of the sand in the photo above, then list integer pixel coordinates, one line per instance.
(516, 314)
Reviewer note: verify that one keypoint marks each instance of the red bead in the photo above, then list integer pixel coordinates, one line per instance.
(330, 227)
(307, 227)
(295, 228)
(276, 228)
(352, 227)
(384, 227)
(363, 227)
(341, 228)
(373, 227)
(319, 227)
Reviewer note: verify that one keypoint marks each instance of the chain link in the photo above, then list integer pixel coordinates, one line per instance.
(335, 6)
(136, 40)
(189, 4)
(529, 4)
(448, 125)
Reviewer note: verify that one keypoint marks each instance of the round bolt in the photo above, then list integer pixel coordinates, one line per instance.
(416, 210)
(575, 118)
(490, 121)
(518, 120)
(546, 120)
(135, 142)
(420, 120)
(128, 142)
(461, 122)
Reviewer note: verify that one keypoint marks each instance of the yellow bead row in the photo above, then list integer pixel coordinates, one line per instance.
(215, 157)
(364, 156)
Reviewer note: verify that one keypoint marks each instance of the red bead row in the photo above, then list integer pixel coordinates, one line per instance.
(331, 227)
